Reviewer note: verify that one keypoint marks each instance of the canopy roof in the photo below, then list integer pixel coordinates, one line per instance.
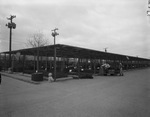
(74, 52)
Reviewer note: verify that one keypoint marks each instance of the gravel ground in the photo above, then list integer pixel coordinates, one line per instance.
(103, 96)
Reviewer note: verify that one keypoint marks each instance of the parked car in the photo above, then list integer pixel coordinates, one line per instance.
(110, 70)
(113, 71)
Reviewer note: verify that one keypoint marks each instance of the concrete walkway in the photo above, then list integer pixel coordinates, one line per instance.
(27, 77)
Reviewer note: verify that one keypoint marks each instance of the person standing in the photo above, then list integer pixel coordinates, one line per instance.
(121, 69)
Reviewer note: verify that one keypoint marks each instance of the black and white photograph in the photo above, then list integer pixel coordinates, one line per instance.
(74, 58)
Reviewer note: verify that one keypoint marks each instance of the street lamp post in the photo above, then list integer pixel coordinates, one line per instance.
(10, 25)
(54, 34)
(148, 13)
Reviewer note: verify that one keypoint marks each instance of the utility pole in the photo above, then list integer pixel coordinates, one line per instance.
(11, 25)
(54, 34)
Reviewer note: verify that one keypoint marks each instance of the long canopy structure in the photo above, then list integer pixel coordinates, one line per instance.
(75, 52)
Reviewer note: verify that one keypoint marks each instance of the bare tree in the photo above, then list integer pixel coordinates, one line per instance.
(37, 40)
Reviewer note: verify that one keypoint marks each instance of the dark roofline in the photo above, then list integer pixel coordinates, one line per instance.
(74, 51)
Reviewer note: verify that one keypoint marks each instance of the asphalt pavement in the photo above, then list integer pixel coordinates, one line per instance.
(103, 96)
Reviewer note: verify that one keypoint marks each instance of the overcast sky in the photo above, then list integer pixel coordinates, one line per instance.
(120, 25)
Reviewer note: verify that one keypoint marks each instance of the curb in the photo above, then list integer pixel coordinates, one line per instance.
(28, 81)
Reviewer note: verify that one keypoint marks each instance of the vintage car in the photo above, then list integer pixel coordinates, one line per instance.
(110, 70)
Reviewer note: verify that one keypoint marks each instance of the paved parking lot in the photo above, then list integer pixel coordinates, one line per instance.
(103, 96)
